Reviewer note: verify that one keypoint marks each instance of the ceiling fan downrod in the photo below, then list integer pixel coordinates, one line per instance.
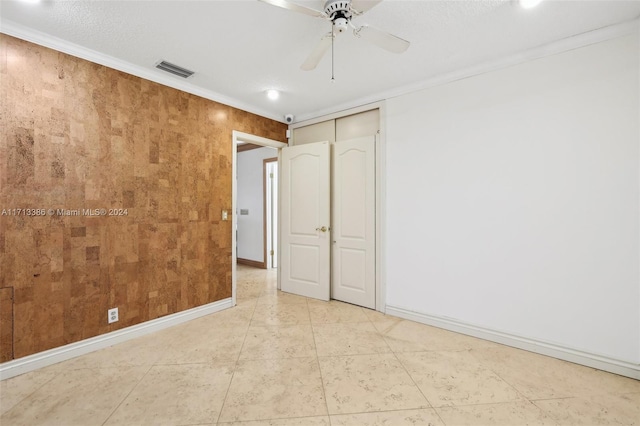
(333, 77)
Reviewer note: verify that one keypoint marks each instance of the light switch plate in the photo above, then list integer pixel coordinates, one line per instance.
(225, 215)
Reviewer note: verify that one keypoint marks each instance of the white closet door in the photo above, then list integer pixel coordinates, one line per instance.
(305, 216)
(353, 229)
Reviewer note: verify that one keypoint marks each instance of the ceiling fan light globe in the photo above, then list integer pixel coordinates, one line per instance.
(529, 4)
(341, 24)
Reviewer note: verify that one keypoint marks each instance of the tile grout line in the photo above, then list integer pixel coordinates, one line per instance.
(544, 412)
(508, 382)
(324, 392)
(31, 394)
(235, 368)
(414, 383)
(127, 395)
(240, 422)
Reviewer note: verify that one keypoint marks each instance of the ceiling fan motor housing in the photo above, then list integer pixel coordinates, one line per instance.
(339, 11)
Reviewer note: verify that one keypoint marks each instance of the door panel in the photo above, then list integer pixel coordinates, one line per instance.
(351, 196)
(305, 263)
(358, 125)
(323, 131)
(305, 257)
(353, 233)
(305, 193)
(351, 276)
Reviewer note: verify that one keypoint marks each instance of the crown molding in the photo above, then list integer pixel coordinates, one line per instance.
(550, 49)
(19, 31)
(560, 46)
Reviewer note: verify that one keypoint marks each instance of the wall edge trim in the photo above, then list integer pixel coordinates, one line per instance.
(53, 356)
(616, 366)
(13, 29)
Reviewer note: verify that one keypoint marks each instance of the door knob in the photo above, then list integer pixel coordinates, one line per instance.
(323, 229)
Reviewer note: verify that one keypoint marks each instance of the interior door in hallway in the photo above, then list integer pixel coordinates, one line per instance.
(353, 222)
(305, 215)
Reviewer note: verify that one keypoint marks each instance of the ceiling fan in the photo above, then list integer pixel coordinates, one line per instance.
(340, 13)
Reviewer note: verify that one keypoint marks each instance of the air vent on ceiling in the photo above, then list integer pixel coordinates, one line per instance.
(174, 69)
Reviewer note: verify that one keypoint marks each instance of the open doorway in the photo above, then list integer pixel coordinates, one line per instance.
(240, 139)
(255, 205)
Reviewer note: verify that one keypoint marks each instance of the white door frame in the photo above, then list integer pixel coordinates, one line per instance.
(256, 140)
(268, 217)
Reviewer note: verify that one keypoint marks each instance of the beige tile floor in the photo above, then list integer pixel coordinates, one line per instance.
(280, 359)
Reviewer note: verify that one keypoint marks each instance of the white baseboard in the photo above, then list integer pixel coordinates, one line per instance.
(623, 368)
(53, 356)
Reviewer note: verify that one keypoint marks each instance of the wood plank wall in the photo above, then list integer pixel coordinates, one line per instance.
(76, 135)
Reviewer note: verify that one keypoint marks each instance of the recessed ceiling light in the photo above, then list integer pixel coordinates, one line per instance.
(273, 94)
(529, 4)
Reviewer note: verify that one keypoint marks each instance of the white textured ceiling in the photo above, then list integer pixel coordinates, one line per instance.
(241, 48)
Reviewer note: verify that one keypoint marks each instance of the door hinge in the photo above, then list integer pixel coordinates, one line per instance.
(271, 175)
(272, 253)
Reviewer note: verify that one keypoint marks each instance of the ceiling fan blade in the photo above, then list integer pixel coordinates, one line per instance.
(321, 48)
(361, 6)
(382, 39)
(295, 7)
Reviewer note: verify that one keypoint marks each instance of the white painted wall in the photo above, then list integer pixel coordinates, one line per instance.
(250, 196)
(513, 200)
